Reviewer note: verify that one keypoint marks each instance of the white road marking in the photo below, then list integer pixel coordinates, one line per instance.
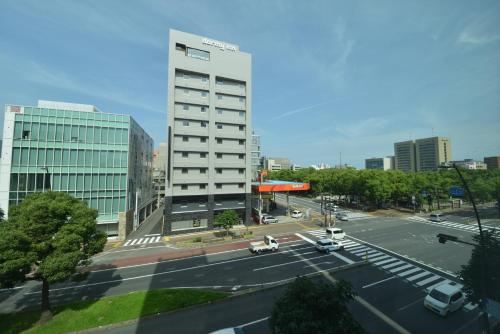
(379, 263)
(253, 322)
(417, 276)
(428, 280)
(469, 306)
(146, 240)
(291, 262)
(429, 288)
(408, 272)
(395, 270)
(410, 304)
(152, 235)
(378, 258)
(133, 242)
(393, 264)
(126, 243)
(382, 281)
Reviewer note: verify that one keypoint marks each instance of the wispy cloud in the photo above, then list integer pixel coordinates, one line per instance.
(483, 30)
(296, 111)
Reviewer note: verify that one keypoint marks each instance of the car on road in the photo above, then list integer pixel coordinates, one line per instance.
(436, 217)
(268, 219)
(445, 298)
(331, 207)
(342, 216)
(328, 245)
(297, 214)
(268, 244)
(334, 233)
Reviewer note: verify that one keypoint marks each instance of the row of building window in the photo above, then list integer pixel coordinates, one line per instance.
(204, 155)
(73, 114)
(219, 140)
(67, 182)
(219, 125)
(203, 109)
(204, 170)
(220, 97)
(70, 133)
(204, 186)
(68, 157)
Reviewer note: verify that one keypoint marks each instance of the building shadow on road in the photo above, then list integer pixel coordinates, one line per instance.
(23, 305)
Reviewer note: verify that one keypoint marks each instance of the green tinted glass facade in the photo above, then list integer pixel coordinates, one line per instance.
(82, 153)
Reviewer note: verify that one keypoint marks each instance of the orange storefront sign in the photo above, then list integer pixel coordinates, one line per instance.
(282, 187)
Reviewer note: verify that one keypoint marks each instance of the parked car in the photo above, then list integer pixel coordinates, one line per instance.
(445, 298)
(269, 219)
(268, 244)
(328, 245)
(436, 217)
(334, 233)
(342, 216)
(297, 214)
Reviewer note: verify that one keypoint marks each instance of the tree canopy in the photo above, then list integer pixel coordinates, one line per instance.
(309, 307)
(47, 235)
(377, 186)
(226, 219)
(474, 286)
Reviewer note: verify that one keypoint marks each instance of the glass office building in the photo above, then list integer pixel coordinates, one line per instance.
(103, 159)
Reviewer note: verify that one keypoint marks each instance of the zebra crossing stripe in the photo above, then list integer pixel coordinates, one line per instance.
(469, 306)
(361, 250)
(355, 247)
(377, 253)
(157, 239)
(379, 258)
(126, 243)
(400, 268)
(428, 280)
(385, 261)
(417, 276)
(408, 272)
(366, 251)
(133, 242)
(393, 264)
(429, 288)
(146, 240)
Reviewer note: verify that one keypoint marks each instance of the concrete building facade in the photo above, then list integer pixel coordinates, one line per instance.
(492, 162)
(404, 156)
(209, 132)
(101, 158)
(470, 164)
(255, 156)
(432, 153)
(159, 173)
(275, 164)
(386, 163)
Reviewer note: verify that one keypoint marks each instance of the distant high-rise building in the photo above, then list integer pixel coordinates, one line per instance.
(209, 132)
(492, 162)
(255, 155)
(404, 156)
(432, 153)
(379, 163)
(103, 159)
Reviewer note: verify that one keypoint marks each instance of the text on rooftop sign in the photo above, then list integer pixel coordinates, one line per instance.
(221, 45)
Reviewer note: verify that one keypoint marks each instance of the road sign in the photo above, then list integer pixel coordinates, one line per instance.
(456, 191)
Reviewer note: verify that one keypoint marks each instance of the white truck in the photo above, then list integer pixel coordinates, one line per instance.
(269, 244)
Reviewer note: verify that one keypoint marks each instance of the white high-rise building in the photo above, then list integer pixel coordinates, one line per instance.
(209, 132)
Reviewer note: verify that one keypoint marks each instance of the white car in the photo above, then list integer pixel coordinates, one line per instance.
(297, 214)
(445, 298)
(331, 206)
(328, 245)
(269, 219)
(334, 233)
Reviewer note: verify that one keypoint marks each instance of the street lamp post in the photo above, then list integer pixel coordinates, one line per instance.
(481, 243)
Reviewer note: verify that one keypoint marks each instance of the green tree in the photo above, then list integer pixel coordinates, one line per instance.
(308, 307)
(48, 235)
(226, 219)
(471, 273)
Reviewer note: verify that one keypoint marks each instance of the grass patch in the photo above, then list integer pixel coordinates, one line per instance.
(108, 310)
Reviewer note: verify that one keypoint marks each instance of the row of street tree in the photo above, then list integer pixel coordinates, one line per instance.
(378, 187)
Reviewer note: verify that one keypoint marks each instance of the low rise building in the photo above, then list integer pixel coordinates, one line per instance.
(159, 171)
(380, 163)
(470, 164)
(275, 164)
(492, 162)
(101, 158)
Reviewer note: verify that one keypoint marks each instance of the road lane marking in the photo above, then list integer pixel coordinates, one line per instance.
(153, 235)
(408, 272)
(378, 258)
(393, 264)
(395, 270)
(291, 262)
(382, 281)
(417, 276)
(126, 243)
(410, 304)
(343, 258)
(253, 322)
(379, 263)
(428, 280)
(133, 242)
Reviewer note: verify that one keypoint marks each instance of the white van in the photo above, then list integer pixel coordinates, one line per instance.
(436, 217)
(445, 298)
(334, 233)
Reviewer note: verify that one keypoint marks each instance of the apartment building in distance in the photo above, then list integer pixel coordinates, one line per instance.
(404, 156)
(255, 156)
(432, 152)
(386, 163)
(101, 158)
(209, 132)
(492, 162)
(275, 164)
(159, 165)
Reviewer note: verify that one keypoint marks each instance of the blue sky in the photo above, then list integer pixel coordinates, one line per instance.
(328, 76)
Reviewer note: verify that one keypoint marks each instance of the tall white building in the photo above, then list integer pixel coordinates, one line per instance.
(209, 132)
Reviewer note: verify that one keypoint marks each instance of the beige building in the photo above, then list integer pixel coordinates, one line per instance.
(404, 156)
(432, 152)
(386, 163)
(470, 164)
(159, 165)
(275, 164)
(492, 162)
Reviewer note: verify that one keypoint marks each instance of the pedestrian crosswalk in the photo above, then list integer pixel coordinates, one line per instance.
(409, 272)
(151, 239)
(452, 225)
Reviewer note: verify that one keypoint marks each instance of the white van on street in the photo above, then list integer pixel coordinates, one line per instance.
(436, 217)
(334, 233)
(445, 298)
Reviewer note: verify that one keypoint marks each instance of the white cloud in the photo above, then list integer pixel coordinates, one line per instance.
(483, 30)
(296, 111)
